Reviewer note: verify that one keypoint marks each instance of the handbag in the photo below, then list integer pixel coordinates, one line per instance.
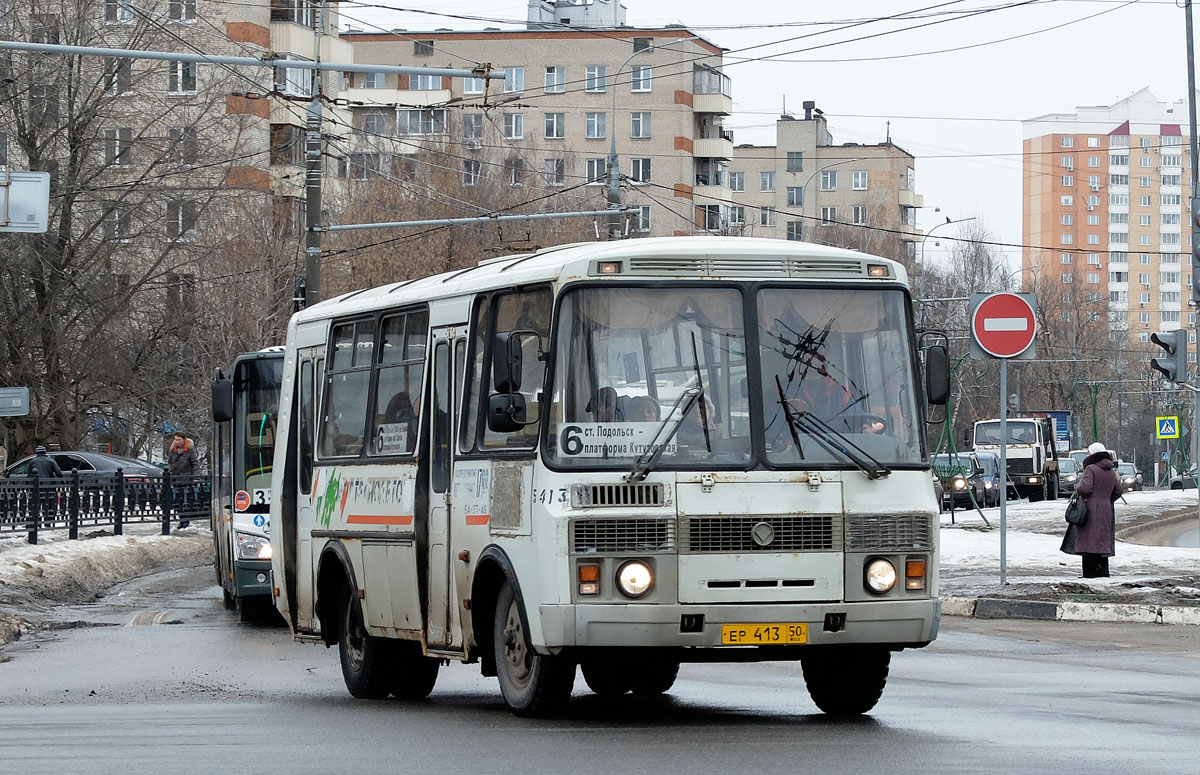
(1077, 511)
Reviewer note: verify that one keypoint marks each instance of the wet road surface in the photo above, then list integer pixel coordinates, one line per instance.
(159, 678)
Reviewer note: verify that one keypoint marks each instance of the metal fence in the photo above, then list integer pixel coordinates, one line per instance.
(73, 502)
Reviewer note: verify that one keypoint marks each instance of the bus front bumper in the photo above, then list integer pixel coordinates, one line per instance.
(252, 577)
(902, 622)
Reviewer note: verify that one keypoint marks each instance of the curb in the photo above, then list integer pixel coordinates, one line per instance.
(1046, 610)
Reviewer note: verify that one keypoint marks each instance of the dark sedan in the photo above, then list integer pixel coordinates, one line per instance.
(91, 465)
(1131, 479)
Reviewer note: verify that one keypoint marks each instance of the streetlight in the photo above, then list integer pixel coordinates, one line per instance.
(947, 222)
(614, 175)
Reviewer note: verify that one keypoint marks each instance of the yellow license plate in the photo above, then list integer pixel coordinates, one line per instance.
(763, 634)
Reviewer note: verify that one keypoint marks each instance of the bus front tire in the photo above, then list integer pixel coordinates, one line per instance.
(653, 676)
(532, 684)
(846, 682)
(605, 677)
(363, 656)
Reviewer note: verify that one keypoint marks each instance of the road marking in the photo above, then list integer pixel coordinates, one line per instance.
(1006, 324)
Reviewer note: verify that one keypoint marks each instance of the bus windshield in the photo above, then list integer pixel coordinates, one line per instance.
(638, 369)
(256, 402)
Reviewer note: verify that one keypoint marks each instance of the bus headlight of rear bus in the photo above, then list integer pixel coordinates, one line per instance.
(879, 576)
(251, 547)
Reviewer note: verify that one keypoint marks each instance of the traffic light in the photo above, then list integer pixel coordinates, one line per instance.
(1174, 366)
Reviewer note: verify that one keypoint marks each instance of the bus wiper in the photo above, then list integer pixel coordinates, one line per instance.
(789, 415)
(648, 459)
(838, 443)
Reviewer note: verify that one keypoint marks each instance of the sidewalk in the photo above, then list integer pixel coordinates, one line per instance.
(1149, 583)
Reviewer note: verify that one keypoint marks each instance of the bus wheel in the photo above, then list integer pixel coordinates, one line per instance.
(605, 677)
(653, 676)
(848, 681)
(363, 656)
(413, 673)
(532, 684)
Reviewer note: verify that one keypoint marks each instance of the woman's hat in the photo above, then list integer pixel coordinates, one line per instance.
(40, 449)
(1095, 447)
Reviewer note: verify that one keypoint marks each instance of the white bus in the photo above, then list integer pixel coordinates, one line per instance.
(616, 456)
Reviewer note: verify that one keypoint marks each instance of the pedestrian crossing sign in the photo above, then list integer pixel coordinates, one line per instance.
(1168, 427)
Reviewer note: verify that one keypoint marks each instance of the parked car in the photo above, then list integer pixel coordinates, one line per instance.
(1131, 478)
(1069, 471)
(990, 463)
(91, 465)
(962, 478)
(1184, 481)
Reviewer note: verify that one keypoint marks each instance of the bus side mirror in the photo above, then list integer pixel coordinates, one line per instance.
(937, 375)
(506, 361)
(222, 398)
(506, 412)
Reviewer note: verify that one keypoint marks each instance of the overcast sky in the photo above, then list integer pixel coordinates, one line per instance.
(953, 79)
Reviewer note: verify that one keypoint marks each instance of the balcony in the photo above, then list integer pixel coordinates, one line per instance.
(720, 104)
(909, 233)
(718, 194)
(395, 96)
(288, 38)
(910, 199)
(713, 148)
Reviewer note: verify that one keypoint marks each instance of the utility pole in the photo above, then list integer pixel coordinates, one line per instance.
(308, 289)
(1195, 204)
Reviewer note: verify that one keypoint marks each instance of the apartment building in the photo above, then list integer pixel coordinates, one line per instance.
(807, 188)
(1105, 203)
(579, 85)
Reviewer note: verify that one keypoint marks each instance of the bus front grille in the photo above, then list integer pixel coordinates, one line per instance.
(790, 533)
(888, 532)
(622, 535)
(617, 495)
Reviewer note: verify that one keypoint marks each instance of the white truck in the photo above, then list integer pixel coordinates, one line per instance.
(1032, 458)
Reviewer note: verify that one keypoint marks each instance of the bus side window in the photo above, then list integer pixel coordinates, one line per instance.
(472, 383)
(306, 426)
(343, 426)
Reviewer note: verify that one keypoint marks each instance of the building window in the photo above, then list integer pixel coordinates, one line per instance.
(1093, 277)
(1093, 259)
(858, 180)
(182, 146)
(421, 121)
(640, 171)
(766, 181)
(829, 180)
(422, 48)
(596, 171)
(1118, 236)
(737, 215)
(375, 122)
(643, 219)
(1066, 200)
(471, 171)
(556, 126)
(795, 230)
(555, 172)
(118, 146)
(1068, 180)
(1066, 258)
(556, 79)
(118, 76)
(737, 181)
(640, 124)
(118, 11)
(1093, 219)
(642, 75)
(710, 216)
(1067, 162)
(473, 127)
(795, 196)
(373, 80)
(1066, 315)
(1093, 200)
(424, 82)
(1167, 180)
(1118, 160)
(1120, 200)
(514, 126)
(1068, 142)
(293, 80)
(766, 216)
(859, 215)
(1144, 239)
(514, 79)
(1093, 239)
(1171, 297)
(1169, 278)
(1067, 219)
(828, 215)
(1118, 180)
(641, 44)
(181, 220)
(115, 223)
(595, 126)
(1144, 162)
(1066, 239)
(1093, 142)
(183, 11)
(472, 86)
(1093, 161)
(514, 171)
(795, 161)
(181, 77)
(1144, 317)
(1067, 278)
(595, 78)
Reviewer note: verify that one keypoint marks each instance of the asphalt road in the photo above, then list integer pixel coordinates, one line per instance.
(158, 678)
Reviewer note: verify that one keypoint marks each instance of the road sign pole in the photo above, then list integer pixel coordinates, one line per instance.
(1003, 470)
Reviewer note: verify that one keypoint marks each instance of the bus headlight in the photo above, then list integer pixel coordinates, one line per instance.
(880, 576)
(635, 579)
(253, 547)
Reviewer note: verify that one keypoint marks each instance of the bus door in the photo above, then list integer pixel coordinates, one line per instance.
(308, 380)
(440, 627)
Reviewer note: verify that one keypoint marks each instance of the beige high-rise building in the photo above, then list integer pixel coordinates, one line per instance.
(1105, 198)
(806, 188)
(578, 81)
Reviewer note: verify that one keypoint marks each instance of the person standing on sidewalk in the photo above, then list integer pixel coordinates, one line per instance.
(182, 462)
(1100, 486)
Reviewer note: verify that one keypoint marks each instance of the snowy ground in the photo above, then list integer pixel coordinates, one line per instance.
(33, 578)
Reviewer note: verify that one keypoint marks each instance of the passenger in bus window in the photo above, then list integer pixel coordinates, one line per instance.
(604, 405)
(643, 409)
(400, 410)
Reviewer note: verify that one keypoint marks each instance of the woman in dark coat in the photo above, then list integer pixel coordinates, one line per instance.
(1100, 487)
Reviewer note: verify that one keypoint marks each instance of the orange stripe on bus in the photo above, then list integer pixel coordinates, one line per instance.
(380, 519)
(477, 519)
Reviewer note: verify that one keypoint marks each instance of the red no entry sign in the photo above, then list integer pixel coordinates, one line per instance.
(1003, 325)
